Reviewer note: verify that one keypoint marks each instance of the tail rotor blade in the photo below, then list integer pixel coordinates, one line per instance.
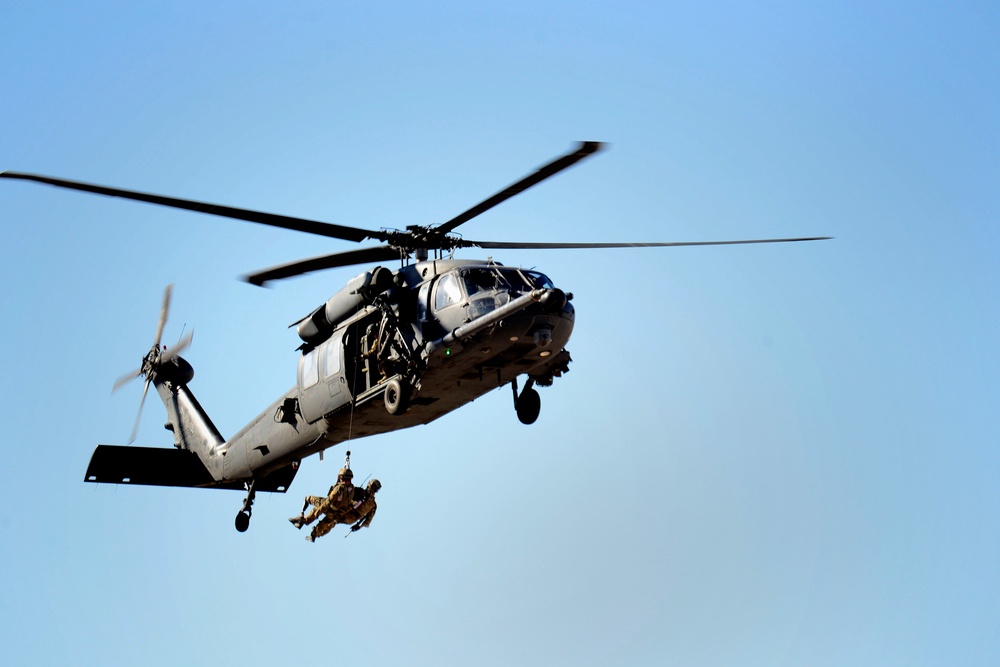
(164, 312)
(125, 379)
(182, 345)
(138, 417)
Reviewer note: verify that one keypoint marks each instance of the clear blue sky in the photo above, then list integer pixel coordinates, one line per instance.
(782, 455)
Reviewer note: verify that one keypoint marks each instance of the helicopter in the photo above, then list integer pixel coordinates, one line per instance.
(392, 349)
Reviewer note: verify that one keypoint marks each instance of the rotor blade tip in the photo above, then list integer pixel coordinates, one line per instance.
(255, 280)
(588, 147)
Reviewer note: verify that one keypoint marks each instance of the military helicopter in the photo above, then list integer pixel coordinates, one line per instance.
(392, 349)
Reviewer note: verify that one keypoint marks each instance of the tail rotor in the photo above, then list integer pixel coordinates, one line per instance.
(154, 359)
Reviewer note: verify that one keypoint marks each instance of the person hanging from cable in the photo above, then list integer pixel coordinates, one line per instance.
(346, 504)
(338, 500)
(361, 512)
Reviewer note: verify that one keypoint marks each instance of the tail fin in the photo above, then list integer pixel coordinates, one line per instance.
(161, 466)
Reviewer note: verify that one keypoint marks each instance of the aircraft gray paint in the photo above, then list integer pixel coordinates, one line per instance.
(391, 350)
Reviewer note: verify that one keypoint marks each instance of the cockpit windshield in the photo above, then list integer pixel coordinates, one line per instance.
(503, 279)
(538, 280)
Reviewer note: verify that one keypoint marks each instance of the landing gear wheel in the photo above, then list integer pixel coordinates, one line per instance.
(528, 406)
(397, 396)
(243, 521)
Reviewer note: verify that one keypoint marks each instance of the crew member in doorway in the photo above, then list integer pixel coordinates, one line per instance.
(369, 356)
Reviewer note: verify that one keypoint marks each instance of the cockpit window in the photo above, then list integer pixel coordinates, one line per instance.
(448, 291)
(538, 280)
(423, 301)
(479, 280)
(507, 280)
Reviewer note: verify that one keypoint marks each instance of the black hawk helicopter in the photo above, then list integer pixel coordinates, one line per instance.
(391, 350)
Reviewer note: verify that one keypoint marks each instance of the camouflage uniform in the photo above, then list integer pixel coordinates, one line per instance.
(338, 500)
(324, 526)
(369, 356)
(361, 511)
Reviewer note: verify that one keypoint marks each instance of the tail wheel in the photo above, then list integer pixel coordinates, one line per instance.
(397, 396)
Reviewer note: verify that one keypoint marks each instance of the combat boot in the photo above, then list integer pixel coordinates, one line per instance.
(310, 538)
(298, 521)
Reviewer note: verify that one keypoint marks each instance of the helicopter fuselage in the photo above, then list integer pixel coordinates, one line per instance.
(444, 333)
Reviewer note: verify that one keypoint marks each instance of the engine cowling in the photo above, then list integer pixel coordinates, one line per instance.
(360, 291)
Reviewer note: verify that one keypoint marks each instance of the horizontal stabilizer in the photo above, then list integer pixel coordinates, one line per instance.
(159, 466)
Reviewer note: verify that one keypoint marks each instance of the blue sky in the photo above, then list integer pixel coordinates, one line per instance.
(765, 455)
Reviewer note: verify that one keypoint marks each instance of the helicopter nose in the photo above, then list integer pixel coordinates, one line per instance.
(554, 300)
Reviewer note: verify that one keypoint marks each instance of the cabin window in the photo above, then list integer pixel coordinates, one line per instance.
(448, 292)
(331, 357)
(309, 369)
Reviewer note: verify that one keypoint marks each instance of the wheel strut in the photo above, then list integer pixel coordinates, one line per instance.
(243, 518)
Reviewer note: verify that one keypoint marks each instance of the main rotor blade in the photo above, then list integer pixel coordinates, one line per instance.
(555, 246)
(551, 169)
(285, 222)
(361, 256)
(164, 313)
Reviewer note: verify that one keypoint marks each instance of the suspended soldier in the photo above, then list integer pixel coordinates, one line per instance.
(339, 499)
(363, 511)
(360, 513)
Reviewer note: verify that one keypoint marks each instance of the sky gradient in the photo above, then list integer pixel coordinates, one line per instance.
(762, 455)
